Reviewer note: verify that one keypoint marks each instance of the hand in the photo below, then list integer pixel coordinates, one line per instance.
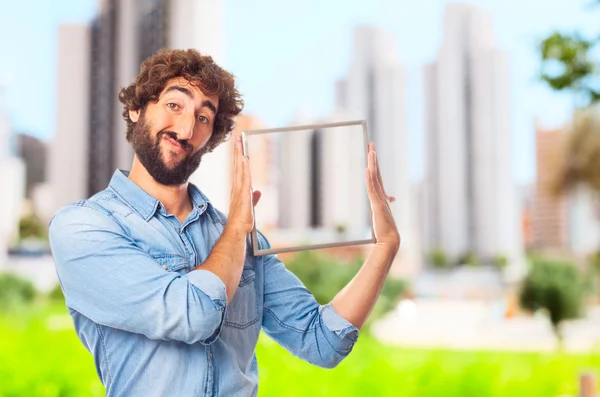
(241, 215)
(384, 226)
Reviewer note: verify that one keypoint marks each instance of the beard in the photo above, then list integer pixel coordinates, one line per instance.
(147, 149)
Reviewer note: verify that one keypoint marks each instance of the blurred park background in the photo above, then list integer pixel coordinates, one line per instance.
(486, 122)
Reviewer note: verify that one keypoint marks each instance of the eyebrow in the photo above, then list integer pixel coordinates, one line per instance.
(206, 103)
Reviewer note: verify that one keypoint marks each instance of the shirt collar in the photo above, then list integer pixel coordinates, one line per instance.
(142, 202)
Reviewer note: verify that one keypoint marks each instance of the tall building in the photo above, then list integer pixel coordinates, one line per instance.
(68, 165)
(549, 218)
(123, 34)
(95, 62)
(563, 221)
(471, 198)
(295, 179)
(374, 90)
(339, 186)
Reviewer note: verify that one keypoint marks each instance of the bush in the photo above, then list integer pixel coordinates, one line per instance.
(438, 259)
(56, 294)
(469, 258)
(593, 278)
(500, 261)
(325, 277)
(556, 287)
(31, 227)
(15, 292)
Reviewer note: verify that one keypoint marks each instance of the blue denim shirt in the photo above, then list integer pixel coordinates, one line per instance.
(155, 322)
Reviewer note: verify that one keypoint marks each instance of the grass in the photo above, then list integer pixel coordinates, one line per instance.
(40, 356)
(374, 369)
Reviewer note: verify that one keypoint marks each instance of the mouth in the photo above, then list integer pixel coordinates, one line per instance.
(175, 146)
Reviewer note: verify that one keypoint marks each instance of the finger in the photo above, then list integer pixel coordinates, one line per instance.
(382, 202)
(372, 188)
(380, 180)
(375, 179)
(238, 165)
(369, 179)
(379, 184)
(246, 181)
(234, 168)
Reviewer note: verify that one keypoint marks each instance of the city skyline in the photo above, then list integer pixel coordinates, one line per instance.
(467, 119)
(261, 79)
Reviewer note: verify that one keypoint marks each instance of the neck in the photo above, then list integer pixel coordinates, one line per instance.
(175, 199)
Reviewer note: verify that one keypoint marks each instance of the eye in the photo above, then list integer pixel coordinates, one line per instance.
(172, 106)
(203, 119)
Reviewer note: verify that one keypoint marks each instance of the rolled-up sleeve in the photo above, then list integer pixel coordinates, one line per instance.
(106, 277)
(315, 333)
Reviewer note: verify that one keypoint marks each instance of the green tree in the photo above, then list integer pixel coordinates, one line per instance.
(555, 287)
(568, 65)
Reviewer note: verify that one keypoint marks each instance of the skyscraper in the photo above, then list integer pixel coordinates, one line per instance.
(68, 165)
(295, 164)
(471, 198)
(109, 53)
(374, 90)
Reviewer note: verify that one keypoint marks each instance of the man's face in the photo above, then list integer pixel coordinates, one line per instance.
(169, 136)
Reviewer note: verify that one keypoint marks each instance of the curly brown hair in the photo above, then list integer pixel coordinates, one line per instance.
(201, 71)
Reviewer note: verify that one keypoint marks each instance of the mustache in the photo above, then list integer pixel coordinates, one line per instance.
(182, 142)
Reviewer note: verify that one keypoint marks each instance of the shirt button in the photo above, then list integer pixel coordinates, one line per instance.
(165, 267)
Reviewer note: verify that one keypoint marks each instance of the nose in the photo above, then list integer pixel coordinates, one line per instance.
(185, 126)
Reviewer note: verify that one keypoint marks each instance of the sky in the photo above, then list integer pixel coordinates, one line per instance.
(287, 57)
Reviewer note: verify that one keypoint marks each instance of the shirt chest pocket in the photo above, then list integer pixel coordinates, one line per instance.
(172, 263)
(242, 311)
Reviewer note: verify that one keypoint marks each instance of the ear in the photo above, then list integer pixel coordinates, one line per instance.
(134, 115)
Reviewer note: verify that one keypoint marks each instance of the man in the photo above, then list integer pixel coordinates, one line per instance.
(160, 284)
